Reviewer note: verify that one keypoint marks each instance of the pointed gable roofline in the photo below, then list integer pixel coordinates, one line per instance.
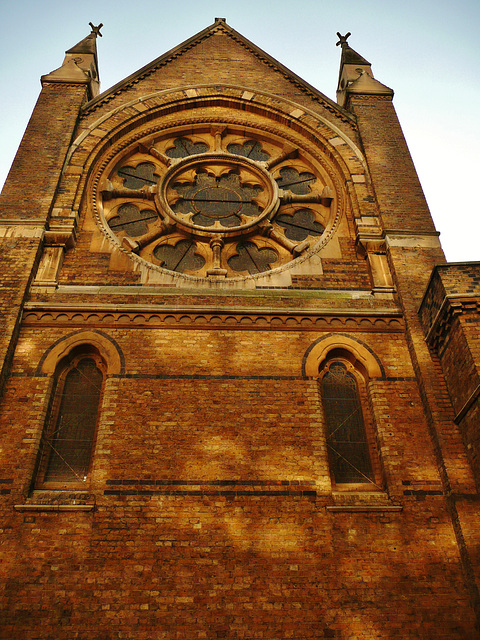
(219, 25)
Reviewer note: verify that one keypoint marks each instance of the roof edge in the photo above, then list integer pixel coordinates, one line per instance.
(219, 23)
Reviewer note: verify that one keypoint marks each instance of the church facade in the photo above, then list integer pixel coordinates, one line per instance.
(239, 382)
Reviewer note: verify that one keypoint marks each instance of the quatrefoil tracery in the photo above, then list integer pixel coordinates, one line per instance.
(206, 207)
(221, 202)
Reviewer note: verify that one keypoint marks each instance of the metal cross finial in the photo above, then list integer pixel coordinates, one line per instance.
(343, 39)
(96, 30)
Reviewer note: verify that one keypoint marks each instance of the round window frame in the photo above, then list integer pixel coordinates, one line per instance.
(228, 159)
(316, 156)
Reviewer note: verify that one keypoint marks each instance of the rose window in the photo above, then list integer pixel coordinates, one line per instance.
(215, 202)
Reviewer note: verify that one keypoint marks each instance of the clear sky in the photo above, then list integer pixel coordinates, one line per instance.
(426, 50)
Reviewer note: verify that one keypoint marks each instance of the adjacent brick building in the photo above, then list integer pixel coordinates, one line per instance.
(228, 407)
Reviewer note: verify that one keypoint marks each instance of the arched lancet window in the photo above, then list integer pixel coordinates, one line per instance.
(69, 434)
(347, 434)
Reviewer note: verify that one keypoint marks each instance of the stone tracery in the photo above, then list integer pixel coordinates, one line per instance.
(221, 203)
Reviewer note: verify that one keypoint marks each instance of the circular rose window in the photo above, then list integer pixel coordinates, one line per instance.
(216, 202)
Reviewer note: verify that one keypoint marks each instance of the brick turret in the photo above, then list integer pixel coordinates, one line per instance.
(29, 191)
(413, 250)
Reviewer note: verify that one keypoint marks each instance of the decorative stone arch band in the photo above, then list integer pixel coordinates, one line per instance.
(113, 127)
(319, 351)
(337, 143)
(107, 347)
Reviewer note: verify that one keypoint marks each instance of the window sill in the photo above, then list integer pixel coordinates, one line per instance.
(54, 507)
(358, 487)
(362, 499)
(364, 507)
(43, 500)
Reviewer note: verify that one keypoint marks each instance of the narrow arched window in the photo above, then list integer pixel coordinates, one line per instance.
(346, 434)
(69, 435)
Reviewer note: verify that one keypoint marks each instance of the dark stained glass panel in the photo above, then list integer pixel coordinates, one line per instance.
(181, 257)
(72, 440)
(139, 176)
(130, 219)
(291, 180)
(250, 149)
(252, 259)
(300, 224)
(210, 199)
(183, 147)
(346, 436)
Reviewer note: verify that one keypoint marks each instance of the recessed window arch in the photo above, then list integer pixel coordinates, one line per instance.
(69, 434)
(349, 433)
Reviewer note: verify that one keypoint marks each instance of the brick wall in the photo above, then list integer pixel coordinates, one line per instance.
(450, 317)
(209, 510)
(214, 513)
(33, 178)
(398, 190)
(218, 566)
(17, 259)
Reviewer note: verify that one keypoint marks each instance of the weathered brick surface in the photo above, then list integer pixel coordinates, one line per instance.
(35, 172)
(217, 60)
(449, 314)
(224, 567)
(211, 482)
(453, 456)
(287, 299)
(17, 259)
(452, 280)
(348, 272)
(212, 508)
(400, 197)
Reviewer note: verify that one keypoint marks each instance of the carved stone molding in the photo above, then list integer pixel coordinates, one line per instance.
(374, 248)
(140, 147)
(370, 98)
(61, 231)
(373, 244)
(21, 228)
(60, 235)
(180, 318)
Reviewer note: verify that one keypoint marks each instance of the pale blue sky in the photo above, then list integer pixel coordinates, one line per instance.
(426, 50)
